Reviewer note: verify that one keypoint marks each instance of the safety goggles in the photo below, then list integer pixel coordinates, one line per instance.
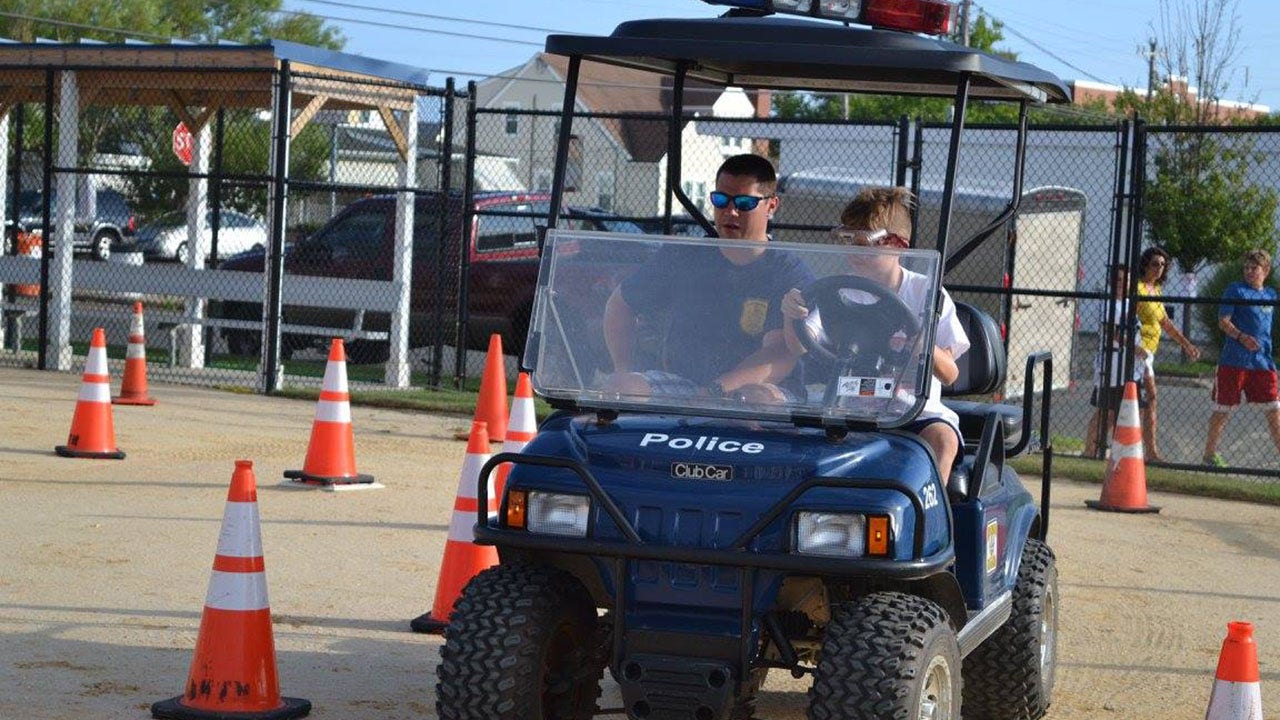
(741, 203)
(841, 235)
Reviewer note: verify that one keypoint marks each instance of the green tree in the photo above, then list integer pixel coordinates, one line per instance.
(244, 21)
(985, 33)
(1199, 203)
(147, 130)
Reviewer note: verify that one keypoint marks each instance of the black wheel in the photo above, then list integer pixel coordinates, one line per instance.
(520, 645)
(1010, 675)
(368, 352)
(100, 248)
(180, 255)
(887, 655)
(244, 343)
(852, 321)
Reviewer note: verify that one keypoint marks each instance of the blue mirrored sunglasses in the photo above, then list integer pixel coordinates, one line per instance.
(741, 203)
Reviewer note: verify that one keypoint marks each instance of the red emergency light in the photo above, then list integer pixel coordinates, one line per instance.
(931, 17)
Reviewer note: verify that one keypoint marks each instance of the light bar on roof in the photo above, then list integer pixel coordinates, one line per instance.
(931, 17)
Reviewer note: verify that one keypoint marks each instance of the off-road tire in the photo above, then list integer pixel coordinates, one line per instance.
(879, 654)
(1010, 675)
(520, 646)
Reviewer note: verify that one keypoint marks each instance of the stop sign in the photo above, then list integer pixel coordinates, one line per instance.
(182, 143)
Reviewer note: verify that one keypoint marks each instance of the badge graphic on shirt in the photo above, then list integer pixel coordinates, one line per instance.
(754, 312)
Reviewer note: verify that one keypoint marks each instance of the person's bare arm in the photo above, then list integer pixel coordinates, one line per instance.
(619, 331)
(944, 365)
(793, 308)
(770, 364)
(1230, 330)
(1187, 346)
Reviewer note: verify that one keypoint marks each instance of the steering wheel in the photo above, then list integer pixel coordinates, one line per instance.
(856, 319)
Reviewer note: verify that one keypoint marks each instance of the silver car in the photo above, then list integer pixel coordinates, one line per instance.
(166, 237)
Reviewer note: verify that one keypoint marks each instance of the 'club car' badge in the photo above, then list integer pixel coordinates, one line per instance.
(701, 471)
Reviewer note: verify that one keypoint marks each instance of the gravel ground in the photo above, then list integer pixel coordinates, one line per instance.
(102, 586)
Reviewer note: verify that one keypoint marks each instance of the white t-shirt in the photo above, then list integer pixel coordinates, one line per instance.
(914, 291)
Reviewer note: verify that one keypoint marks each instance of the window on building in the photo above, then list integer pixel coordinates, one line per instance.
(513, 120)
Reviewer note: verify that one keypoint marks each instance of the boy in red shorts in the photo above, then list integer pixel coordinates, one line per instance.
(1246, 365)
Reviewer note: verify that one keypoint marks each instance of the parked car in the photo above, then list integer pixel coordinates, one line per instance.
(112, 222)
(357, 243)
(165, 238)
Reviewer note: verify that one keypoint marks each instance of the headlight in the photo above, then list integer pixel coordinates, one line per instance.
(831, 534)
(557, 514)
(844, 534)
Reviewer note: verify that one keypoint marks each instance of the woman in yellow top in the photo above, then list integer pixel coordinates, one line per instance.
(1153, 268)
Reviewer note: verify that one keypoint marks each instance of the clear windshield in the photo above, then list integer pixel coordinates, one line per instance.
(700, 326)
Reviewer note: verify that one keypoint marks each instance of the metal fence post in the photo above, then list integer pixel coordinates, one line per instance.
(464, 241)
(271, 377)
(442, 228)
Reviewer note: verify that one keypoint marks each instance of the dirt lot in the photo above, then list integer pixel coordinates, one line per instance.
(103, 579)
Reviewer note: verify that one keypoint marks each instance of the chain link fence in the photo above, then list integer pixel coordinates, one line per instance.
(256, 213)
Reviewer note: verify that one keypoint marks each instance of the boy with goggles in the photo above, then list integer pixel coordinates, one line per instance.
(881, 217)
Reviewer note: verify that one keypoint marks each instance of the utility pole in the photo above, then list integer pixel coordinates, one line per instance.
(964, 21)
(1151, 67)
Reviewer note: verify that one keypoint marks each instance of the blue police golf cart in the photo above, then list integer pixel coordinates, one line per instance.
(690, 540)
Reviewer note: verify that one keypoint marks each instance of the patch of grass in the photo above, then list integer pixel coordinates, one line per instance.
(1197, 369)
(1224, 487)
(1066, 443)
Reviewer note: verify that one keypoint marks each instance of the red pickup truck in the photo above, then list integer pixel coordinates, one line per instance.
(357, 242)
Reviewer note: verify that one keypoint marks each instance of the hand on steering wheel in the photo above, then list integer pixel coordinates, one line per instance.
(851, 320)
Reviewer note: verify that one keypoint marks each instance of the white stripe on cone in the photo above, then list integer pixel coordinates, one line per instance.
(522, 418)
(136, 351)
(95, 392)
(470, 473)
(96, 363)
(1121, 452)
(462, 525)
(338, 411)
(239, 536)
(237, 591)
(1128, 415)
(335, 376)
(1235, 701)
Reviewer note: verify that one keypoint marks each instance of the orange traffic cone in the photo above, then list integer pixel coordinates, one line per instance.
(491, 406)
(1236, 694)
(1125, 486)
(331, 454)
(93, 434)
(463, 559)
(233, 673)
(521, 427)
(133, 390)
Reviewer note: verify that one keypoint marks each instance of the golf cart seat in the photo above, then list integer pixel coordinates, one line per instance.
(982, 371)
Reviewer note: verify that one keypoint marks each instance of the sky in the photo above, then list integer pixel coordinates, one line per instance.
(1095, 40)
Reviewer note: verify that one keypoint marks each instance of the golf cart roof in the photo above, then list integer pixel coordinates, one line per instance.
(799, 54)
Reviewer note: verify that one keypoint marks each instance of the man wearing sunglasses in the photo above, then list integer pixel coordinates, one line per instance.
(740, 299)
